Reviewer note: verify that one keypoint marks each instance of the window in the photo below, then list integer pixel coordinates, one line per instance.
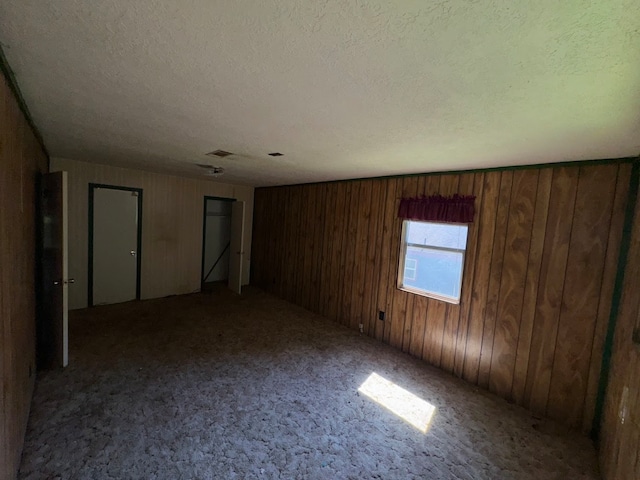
(432, 259)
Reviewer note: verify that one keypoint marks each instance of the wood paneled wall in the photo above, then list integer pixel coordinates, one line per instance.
(539, 271)
(21, 160)
(620, 442)
(172, 209)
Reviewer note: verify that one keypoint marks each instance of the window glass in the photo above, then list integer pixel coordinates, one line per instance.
(432, 259)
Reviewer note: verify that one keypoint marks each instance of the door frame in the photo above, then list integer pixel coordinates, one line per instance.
(204, 230)
(92, 187)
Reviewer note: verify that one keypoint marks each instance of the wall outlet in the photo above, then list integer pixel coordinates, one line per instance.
(381, 315)
(361, 326)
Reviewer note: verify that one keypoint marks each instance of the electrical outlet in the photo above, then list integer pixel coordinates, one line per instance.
(381, 315)
(361, 326)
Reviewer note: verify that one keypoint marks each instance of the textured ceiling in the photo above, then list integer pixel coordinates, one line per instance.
(343, 88)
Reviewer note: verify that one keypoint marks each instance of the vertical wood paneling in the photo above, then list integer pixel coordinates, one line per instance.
(369, 308)
(620, 437)
(516, 252)
(360, 255)
(480, 284)
(552, 281)
(495, 277)
(386, 272)
(21, 161)
(570, 371)
(537, 240)
(532, 280)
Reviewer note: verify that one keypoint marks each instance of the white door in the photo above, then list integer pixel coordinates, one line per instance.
(115, 245)
(237, 247)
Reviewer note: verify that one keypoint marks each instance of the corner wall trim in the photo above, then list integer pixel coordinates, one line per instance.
(617, 296)
(13, 85)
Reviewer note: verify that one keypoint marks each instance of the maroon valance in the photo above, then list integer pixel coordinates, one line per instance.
(436, 208)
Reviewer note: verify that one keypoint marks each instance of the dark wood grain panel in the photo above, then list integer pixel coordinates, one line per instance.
(382, 257)
(580, 297)
(521, 257)
(552, 280)
(480, 285)
(374, 237)
(512, 283)
(349, 258)
(495, 277)
(21, 161)
(327, 247)
(318, 237)
(534, 262)
(361, 243)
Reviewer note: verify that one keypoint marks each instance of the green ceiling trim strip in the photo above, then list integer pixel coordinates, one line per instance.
(13, 85)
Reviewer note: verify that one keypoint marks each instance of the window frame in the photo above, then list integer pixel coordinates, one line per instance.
(403, 254)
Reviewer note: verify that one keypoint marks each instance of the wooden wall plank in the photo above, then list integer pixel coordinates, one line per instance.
(570, 370)
(486, 229)
(349, 258)
(514, 269)
(327, 247)
(495, 277)
(374, 235)
(534, 262)
(552, 280)
(382, 256)
(318, 238)
(336, 252)
(394, 189)
(361, 243)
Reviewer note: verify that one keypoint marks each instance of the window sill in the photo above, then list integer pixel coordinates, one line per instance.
(422, 293)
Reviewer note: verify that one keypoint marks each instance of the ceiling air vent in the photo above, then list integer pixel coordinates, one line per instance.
(219, 153)
(214, 172)
(276, 154)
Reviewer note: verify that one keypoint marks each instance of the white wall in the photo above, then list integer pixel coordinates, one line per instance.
(217, 237)
(172, 209)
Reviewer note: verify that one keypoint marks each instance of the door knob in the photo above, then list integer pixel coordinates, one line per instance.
(71, 280)
(133, 253)
(56, 282)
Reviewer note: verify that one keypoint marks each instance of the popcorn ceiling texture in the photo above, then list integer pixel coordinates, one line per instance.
(220, 387)
(343, 88)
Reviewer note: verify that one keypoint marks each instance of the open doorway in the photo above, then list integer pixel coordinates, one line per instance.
(216, 242)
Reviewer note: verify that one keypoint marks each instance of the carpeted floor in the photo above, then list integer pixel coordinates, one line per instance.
(226, 387)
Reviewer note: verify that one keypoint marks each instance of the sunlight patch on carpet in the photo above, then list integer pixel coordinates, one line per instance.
(412, 409)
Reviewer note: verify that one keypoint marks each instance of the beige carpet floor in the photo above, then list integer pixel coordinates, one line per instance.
(218, 386)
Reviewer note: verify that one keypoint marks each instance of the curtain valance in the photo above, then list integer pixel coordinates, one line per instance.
(437, 208)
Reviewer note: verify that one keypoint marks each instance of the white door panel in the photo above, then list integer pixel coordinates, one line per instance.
(115, 245)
